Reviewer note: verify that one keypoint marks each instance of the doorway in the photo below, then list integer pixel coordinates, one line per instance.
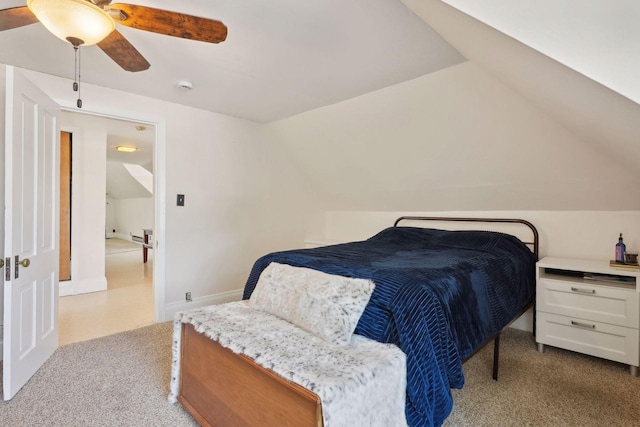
(118, 294)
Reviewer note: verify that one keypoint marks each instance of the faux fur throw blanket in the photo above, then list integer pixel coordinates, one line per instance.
(360, 384)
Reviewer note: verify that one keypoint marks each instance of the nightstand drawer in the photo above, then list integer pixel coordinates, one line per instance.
(592, 302)
(611, 342)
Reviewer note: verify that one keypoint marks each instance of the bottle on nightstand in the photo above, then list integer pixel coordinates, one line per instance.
(620, 250)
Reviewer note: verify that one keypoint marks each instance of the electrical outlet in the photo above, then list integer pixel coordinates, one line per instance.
(187, 296)
(180, 200)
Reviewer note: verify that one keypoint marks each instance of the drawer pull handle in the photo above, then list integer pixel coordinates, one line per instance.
(582, 325)
(584, 291)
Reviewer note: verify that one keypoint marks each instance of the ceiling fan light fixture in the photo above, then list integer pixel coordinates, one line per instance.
(73, 19)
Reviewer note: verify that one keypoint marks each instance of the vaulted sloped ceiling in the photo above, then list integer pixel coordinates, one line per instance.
(511, 129)
(122, 185)
(596, 38)
(595, 99)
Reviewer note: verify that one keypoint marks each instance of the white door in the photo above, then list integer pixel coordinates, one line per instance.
(31, 231)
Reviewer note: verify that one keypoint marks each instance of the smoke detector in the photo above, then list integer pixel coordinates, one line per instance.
(185, 85)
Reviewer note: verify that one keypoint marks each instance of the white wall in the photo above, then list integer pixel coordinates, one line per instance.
(87, 207)
(111, 222)
(457, 139)
(132, 216)
(244, 198)
(579, 234)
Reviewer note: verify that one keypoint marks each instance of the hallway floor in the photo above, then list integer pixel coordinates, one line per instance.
(126, 304)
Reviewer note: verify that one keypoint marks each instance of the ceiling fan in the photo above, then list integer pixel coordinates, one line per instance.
(113, 43)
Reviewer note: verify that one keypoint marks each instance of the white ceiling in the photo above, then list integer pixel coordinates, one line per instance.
(597, 38)
(281, 57)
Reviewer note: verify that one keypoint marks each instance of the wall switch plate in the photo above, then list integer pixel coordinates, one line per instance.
(180, 201)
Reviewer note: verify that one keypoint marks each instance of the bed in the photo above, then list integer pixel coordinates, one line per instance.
(439, 296)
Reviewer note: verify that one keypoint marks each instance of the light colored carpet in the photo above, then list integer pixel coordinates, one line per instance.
(116, 246)
(555, 388)
(119, 380)
(123, 380)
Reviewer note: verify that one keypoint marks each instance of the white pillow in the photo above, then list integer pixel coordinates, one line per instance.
(326, 305)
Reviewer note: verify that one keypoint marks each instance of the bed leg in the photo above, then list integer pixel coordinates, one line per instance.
(496, 356)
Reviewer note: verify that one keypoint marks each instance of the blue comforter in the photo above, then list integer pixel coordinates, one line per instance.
(439, 296)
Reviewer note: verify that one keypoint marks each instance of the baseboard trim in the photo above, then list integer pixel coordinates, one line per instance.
(77, 287)
(65, 289)
(121, 236)
(171, 309)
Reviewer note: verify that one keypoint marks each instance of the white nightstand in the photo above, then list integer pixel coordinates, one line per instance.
(589, 307)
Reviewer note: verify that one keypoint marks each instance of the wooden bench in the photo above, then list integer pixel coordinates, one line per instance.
(221, 388)
(236, 366)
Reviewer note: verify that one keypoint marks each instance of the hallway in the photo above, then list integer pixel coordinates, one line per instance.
(126, 304)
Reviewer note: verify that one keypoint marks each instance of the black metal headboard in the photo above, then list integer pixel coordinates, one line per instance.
(534, 244)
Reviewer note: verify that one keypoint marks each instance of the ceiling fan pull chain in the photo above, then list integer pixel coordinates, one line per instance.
(79, 102)
(76, 85)
(75, 69)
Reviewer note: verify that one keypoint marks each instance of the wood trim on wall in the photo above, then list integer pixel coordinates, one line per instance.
(65, 206)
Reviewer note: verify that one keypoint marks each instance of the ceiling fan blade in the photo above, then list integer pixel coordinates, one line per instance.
(123, 53)
(170, 23)
(16, 17)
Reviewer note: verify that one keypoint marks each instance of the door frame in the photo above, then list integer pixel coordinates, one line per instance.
(159, 179)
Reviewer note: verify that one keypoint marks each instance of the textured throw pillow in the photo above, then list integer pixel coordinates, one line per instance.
(326, 305)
